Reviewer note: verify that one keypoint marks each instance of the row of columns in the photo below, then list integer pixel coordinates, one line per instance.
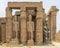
(39, 25)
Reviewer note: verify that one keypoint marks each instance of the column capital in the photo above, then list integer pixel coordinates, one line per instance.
(23, 13)
(22, 17)
(40, 9)
(23, 9)
(40, 15)
(8, 8)
(8, 12)
(54, 9)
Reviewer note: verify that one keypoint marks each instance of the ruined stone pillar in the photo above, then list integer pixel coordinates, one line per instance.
(8, 24)
(23, 25)
(53, 13)
(39, 26)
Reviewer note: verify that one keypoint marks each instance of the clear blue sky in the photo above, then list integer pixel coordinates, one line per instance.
(46, 4)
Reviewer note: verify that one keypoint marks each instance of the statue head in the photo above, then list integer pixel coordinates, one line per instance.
(30, 17)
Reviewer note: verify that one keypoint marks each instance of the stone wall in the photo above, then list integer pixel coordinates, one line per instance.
(3, 29)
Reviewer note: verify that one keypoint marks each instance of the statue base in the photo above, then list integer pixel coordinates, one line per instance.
(30, 42)
(14, 42)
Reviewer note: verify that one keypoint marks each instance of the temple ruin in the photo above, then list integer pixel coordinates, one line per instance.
(29, 26)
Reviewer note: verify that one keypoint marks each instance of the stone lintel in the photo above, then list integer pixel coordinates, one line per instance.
(25, 4)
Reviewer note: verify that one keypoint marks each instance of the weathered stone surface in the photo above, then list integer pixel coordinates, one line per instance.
(30, 42)
(3, 29)
(52, 19)
(17, 30)
(14, 42)
(57, 37)
(8, 24)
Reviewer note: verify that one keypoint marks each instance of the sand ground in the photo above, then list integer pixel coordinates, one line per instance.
(55, 45)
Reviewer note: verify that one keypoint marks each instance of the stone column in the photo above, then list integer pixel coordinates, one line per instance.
(39, 26)
(8, 24)
(3, 29)
(0, 32)
(53, 13)
(23, 25)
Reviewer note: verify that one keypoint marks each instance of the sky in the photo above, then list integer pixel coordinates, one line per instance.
(46, 5)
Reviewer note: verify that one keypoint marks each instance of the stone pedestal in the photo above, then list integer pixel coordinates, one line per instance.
(30, 42)
(14, 42)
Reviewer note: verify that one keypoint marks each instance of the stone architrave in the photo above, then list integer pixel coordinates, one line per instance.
(30, 29)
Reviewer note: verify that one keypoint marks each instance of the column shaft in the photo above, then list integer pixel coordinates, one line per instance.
(8, 24)
(39, 28)
(23, 26)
